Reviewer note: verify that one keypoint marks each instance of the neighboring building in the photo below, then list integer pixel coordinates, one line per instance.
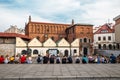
(117, 31)
(9, 43)
(85, 34)
(95, 29)
(14, 29)
(104, 37)
(43, 31)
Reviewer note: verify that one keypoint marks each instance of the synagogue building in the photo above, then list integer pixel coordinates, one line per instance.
(43, 31)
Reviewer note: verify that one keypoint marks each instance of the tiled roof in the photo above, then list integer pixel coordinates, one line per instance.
(2, 34)
(49, 23)
(105, 28)
(80, 24)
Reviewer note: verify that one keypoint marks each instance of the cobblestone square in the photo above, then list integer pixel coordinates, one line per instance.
(59, 71)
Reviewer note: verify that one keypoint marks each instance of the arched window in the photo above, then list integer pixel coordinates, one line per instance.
(104, 38)
(104, 46)
(85, 40)
(66, 53)
(114, 47)
(110, 46)
(35, 51)
(75, 51)
(24, 52)
(99, 46)
(99, 38)
(85, 51)
(117, 46)
(80, 40)
(89, 40)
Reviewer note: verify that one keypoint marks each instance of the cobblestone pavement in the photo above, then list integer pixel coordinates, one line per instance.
(56, 71)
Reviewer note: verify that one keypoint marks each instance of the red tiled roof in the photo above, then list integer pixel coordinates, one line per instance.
(2, 34)
(49, 23)
(104, 27)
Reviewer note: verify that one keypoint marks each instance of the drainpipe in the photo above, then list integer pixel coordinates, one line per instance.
(70, 50)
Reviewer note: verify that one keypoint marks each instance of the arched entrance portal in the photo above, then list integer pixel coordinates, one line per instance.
(52, 52)
(66, 53)
(85, 51)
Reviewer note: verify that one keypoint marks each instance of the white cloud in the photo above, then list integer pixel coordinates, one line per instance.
(95, 12)
(100, 11)
(16, 17)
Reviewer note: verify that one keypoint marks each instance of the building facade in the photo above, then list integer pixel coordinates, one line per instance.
(117, 31)
(43, 31)
(61, 47)
(85, 34)
(14, 29)
(104, 37)
(9, 41)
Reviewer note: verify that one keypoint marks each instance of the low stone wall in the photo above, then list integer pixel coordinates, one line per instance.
(108, 52)
(7, 49)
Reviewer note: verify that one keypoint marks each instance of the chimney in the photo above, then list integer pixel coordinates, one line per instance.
(72, 21)
(29, 18)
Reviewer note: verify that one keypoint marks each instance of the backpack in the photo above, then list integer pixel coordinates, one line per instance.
(77, 60)
(38, 59)
(51, 60)
(57, 61)
(84, 61)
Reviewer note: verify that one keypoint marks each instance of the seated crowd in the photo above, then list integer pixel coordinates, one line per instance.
(52, 59)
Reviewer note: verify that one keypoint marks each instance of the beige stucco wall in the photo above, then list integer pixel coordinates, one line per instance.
(63, 43)
(49, 42)
(35, 42)
(75, 43)
(20, 42)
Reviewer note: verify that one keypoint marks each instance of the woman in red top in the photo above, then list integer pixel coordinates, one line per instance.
(1, 59)
(23, 59)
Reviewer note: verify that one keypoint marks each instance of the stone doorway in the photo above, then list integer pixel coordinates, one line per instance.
(85, 51)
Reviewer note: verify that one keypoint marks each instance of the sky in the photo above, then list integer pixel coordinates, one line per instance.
(96, 12)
